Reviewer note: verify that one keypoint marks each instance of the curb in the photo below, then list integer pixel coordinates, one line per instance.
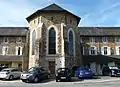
(99, 81)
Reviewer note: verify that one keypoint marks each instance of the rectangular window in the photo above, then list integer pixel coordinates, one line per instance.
(5, 40)
(104, 39)
(19, 50)
(5, 50)
(117, 39)
(92, 51)
(92, 39)
(105, 51)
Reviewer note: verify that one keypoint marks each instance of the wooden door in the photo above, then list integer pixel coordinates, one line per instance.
(52, 66)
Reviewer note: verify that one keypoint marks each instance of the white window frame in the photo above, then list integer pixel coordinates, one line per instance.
(95, 49)
(117, 50)
(21, 50)
(4, 52)
(108, 50)
(104, 39)
(92, 39)
(117, 39)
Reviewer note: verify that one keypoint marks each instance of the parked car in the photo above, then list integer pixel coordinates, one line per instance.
(35, 74)
(111, 71)
(83, 72)
(63, 74)
(10, 73)
(1, 68)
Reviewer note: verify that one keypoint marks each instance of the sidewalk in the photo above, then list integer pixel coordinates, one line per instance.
(94, 80)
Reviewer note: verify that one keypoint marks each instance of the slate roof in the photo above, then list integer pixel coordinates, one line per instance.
(13, 31)
(51, 8)
(99, 31)
(10, 58)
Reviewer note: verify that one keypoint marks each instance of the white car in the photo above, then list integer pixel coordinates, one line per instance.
(10, 73)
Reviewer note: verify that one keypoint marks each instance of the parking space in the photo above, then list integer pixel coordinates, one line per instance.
(74, 80)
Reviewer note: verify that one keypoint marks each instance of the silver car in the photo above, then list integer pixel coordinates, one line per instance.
(10, 73)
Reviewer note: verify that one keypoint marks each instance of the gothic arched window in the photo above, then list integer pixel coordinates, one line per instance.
(70, 44)
(52, 41)
(33, 42)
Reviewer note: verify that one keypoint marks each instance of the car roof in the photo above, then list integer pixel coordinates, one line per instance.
(9, 68)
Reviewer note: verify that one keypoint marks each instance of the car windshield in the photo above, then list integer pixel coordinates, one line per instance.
(31, 70)
(113, 67)
(84, 68)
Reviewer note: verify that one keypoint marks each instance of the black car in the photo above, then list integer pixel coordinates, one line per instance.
(111, 71)
(63, 74)
(35, 74)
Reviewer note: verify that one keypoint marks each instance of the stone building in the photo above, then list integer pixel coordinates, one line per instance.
(100, 47)
(12, 44)
(53, 41)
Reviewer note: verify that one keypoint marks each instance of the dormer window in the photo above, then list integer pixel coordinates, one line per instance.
(117, 39)
(92, 39)
(104, 39)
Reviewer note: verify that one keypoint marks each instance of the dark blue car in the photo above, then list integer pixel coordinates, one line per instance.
(83, 72)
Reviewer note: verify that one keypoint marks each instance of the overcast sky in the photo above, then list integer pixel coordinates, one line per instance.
(92, 12)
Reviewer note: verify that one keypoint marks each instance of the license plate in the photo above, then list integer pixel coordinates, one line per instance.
(23, 77)
(118, 73)
(63, 77)
(86, 73)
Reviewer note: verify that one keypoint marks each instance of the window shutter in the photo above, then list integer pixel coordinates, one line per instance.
(16, 50)
(3, 50)
(96, 50)
(102, 50)
(109, 51)
(89, 50)
(117, 50)
(21, 50)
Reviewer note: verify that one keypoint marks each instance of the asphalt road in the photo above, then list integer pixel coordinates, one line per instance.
(103, 82)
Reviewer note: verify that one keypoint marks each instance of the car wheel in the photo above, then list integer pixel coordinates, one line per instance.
(115, 75)
(24, 81)
(57, 80)
(48, 76)
(103, 74)
(11, 77)
(36, 79)
(69, 79)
